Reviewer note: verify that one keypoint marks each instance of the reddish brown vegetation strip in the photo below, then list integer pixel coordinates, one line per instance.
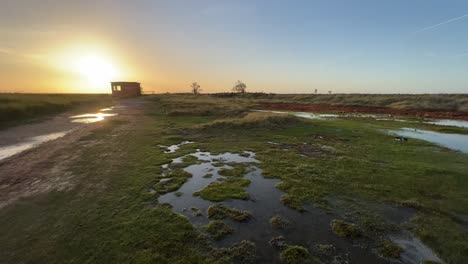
(364, 109)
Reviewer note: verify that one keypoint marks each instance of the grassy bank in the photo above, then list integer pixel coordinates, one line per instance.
(439, 102)
(347, 167)
(17, 108)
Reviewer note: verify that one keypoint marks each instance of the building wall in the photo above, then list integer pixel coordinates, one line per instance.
(126, 90)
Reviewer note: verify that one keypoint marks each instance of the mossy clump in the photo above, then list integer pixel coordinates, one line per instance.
(344, 229)
(231, 187)
(244, 154)
(278, 242)
(174, 179)
(278, 222)
(238, 171)
(219, 211)
(296, 255)
(187, 160)
(208, 175)
(325, 249)
(389, 250)
(178, 194)
(242, 252)
(218, 229)
(291, 202)
(196, 211)
(431, 262)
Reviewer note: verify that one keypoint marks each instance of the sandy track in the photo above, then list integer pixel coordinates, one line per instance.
(47, 166)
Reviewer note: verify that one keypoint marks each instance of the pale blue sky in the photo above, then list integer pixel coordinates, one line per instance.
(274, 46)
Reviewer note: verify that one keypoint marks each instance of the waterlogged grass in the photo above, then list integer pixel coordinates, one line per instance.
(242, 252)
(352, 158)
(225, 188)
(389, 250)
(220, 211)
(218, 229)
(344, 229)
(110, 216)
(172, 181)
(297, 255)
(278, 223)
(237, 171)
(16, 108)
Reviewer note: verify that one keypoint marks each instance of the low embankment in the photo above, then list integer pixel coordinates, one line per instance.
(452, 106)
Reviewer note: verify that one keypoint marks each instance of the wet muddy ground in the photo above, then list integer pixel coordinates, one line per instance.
(20, 138)
(310, 228)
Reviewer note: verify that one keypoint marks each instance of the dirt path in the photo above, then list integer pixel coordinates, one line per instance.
(47, 166)
(364, 109)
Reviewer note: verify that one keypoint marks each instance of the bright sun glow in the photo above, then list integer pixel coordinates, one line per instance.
(97, 70)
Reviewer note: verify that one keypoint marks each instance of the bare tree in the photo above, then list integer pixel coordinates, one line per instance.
(316, 91)
(195, 88)
(239, 87)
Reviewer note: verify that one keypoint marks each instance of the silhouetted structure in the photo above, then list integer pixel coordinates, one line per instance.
(125, 89)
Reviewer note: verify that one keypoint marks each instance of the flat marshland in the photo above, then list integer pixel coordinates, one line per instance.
(244, 187)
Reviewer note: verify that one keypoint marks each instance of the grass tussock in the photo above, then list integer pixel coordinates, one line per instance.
(278, 223)
(231, 187)
(344, 229)
(255, 120)
(238, 171)
(218, 229)
(220, 211)
(242, 252)
(389, 250)
(174, 179)
(297, 255)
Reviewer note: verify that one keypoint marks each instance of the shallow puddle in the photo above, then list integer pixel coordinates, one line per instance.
(174, 148)
(448, 122)
(452, 141)
(90, 118)
(308, 229)
(10, 150)
(378, 117)
(414, 251)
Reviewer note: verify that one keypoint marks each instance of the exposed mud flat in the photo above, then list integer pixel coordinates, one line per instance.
(309, 229)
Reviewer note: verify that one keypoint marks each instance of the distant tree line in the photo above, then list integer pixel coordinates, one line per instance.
(239, 87)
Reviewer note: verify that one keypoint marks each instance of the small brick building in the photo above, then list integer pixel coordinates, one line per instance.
(125, 89)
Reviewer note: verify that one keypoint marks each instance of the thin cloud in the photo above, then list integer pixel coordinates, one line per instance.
(4, 51)
(442, 23)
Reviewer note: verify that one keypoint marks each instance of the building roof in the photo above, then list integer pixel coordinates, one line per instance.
(125, 83)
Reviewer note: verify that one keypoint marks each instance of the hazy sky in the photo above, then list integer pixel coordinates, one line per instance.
(368, 46)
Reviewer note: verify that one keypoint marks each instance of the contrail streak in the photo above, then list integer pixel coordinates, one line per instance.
(442, 23)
